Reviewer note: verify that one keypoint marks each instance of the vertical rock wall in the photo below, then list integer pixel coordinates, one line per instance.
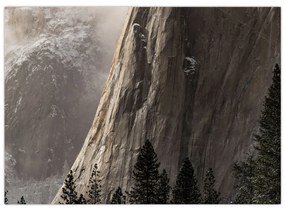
(192, 80)
(237, 49)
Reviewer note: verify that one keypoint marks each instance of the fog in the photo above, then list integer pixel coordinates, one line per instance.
(48, 112)
(23, 24)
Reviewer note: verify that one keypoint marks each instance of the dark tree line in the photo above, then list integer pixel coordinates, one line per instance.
(150, 186)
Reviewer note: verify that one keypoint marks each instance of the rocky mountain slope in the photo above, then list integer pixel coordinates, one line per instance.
(192, 80)
(55, 67)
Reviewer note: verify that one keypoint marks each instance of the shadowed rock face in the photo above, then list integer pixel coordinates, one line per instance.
(192, 80)
(236, 49)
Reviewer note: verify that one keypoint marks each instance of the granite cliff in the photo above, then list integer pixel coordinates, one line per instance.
(192, 80)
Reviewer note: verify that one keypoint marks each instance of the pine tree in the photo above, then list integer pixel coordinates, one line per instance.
(6, 198)
(94, 186)
(186, 190)
(118, 197)
(81, 200)
(211, 196)
(259, 179)
(22, 201)
(266, 182)
(69, 195)
(244, 172)
(163, 188)
(146, 176)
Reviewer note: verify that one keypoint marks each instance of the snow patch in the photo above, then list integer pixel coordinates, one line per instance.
(142, 37)
(19, 101)
(136, 25)
(21, 150)
(190, 65)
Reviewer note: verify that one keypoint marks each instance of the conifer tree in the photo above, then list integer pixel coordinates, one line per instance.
(118, 197)
(266, 182)
(163, 188)
(211, 196)
(146, 176)
(81, 200)
(69, 195)
(22, 201)
(186, 190)
(244, 172)
(259, 178)
(94, 186)
(6, 198)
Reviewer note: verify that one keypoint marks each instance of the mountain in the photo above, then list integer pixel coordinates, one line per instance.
(192, 81)
(56, 62)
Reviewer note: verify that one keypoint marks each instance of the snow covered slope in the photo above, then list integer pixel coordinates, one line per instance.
(54, 59)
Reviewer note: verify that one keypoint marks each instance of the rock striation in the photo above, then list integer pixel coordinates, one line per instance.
(192, 80)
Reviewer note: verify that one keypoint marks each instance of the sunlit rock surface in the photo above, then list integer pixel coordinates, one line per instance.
(192, 80)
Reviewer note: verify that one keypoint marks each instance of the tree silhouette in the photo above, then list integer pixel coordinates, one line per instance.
(211, 196)
(94, 186)
(69, 195)
(81, 200)
(243, 173)
(186, 190)
(258, 180)
(163, 188)
(266, 182)
(5, 197)
(118, 197)
(146, 176)
(22, 201)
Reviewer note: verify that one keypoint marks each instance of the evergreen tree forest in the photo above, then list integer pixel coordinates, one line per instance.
(149, 185)
(258, 177)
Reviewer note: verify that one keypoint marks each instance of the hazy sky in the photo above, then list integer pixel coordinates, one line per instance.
(110, 21)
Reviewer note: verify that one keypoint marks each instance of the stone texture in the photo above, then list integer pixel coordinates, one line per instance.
(207, 110)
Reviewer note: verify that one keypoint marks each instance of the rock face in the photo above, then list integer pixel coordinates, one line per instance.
(192, 80)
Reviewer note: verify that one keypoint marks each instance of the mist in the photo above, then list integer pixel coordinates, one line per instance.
(57, 60)
(24, 24)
